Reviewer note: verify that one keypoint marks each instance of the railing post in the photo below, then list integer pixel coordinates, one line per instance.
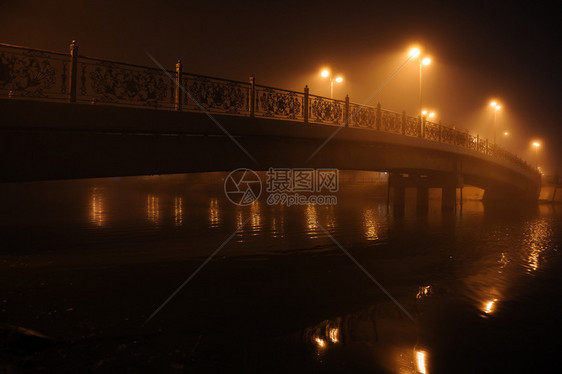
(73, 72)
(467, 144)
(305, 105)
(440, 132)
(477, 142)
(379, 117)
(487, 149)
(404, 122)
(422, 126)
(178, 90)
(252, 96)
(346, 111)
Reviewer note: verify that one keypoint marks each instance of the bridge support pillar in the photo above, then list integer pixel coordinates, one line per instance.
(449, 197)
(422, 198)
(422, 183)
(398, 197)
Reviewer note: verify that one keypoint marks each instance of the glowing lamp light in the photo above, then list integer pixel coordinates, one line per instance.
(431, 115)
(420, 360)
(506, 133)
(333, 334)
(339, 79)
(424, 112)
(536, 144)
(493, 103)
(320, 342)
(498, 107)
(325, 73)
(489, 307)
(414, 52)
(426, 61)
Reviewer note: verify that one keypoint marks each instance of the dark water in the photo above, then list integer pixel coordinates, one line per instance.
(85, 263)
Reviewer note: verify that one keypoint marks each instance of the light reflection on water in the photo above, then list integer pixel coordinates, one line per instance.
(178, 211)
(476, 257)
(214, 213)
(153, 209)
(97, 213)
(537, 240)
(371, 230)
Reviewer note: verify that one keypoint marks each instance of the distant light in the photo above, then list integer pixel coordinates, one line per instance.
(506, 133)
(414, 52)
(426, 61)
(493, 103)
(339, 79)
(420, 359)
(321, 343)
(489, 306)
(325, 73)
(431, 115)
(536, 144)
(498, 107)
(333, 334)
(424, 112)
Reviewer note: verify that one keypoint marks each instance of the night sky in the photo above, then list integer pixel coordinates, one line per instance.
(479, 51)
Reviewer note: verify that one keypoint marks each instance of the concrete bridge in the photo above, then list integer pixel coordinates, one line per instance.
(70, 116)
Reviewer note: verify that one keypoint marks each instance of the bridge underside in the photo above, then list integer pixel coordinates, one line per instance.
(43, 141)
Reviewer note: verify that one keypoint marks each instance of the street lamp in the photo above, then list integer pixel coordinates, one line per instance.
(425, 61)
(415, 52)
(427, 114)
(327, 74)
(536, 145)
(496, 107)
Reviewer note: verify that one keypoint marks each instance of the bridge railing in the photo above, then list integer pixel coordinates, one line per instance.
(33, 73)
(363, 116)
(115, 83)
(45, 75)
(215, 95)
(278, 103)
(326, 111)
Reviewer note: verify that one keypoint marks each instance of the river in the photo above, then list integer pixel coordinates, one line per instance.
(90, 270)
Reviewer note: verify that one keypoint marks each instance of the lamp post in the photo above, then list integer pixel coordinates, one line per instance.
(536, 145)
(415, 52)
(496, 107)
(326, 74)
(425, 61)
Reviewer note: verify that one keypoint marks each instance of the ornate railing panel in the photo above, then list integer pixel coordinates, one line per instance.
(362, 116)
(391, 122)
(461, 138)
(108, 82)
(215, 95)
(277, 103)
(472, 142)
(324, 110)
(33, 74)
(412, 126)
(448, 135)
(431, 131)
(486, 148)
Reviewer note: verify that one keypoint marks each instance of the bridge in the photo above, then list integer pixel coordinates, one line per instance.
(65, 115)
